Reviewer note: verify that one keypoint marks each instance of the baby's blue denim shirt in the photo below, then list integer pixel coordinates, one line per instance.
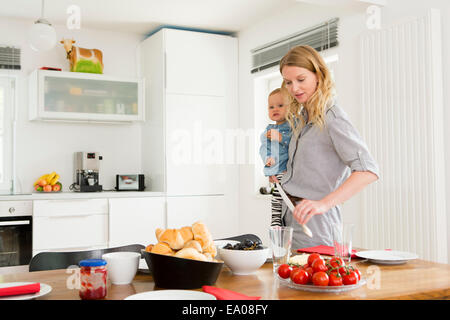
(275, 149)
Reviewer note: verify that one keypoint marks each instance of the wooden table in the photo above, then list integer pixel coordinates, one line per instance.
(416, 279)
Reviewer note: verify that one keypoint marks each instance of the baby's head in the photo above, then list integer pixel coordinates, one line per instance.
(278, 105)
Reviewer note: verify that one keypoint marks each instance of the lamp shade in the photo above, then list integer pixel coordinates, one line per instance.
(42, 36)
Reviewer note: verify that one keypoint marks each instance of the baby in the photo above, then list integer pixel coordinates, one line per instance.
(274, 147)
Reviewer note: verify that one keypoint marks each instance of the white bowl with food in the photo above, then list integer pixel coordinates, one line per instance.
(222, 243)
(244, 261)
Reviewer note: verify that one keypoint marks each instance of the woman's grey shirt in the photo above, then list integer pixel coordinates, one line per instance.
(320, 160)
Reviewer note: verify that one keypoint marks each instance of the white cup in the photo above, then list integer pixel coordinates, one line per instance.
(122, 266)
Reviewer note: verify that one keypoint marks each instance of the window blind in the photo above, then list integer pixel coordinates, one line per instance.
(320, 37)
(9, 57)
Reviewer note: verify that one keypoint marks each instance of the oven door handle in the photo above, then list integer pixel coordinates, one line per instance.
(14, 223)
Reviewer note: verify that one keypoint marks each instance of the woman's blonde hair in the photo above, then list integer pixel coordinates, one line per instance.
(308, 58)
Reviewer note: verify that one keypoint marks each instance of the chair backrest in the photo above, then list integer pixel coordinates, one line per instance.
(62, 260)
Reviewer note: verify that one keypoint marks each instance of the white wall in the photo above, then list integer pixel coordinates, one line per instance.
(43, 147)
(352, 24)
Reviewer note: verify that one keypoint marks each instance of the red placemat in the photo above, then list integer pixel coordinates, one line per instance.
(326, 250)
(225, 294)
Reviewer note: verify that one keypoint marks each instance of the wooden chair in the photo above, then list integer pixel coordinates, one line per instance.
(62, 260)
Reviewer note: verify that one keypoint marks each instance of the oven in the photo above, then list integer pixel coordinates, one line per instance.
(15, 233)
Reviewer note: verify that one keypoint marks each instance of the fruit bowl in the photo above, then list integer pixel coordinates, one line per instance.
(48, 183)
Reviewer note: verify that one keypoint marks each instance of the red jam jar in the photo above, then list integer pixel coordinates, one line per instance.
(93, 275)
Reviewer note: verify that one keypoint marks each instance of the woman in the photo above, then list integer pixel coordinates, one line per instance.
(328, 160)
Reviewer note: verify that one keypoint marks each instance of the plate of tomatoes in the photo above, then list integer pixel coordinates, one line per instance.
(321, 275)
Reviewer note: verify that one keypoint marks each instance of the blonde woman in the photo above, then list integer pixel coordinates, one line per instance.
(328, 160)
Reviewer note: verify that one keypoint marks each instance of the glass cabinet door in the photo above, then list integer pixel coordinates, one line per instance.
(88, 97)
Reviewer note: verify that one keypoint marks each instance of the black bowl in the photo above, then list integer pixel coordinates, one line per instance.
(179, 273)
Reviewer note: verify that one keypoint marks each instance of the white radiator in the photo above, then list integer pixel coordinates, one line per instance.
(403, 127)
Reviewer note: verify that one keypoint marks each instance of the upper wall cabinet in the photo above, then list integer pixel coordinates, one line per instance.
(195, 62)
(74, 96)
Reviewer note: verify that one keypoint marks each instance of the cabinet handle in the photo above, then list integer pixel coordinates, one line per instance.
(165, 70)
(71, 216)
(14, 223)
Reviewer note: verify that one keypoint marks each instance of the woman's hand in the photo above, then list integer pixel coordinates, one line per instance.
(306, 209)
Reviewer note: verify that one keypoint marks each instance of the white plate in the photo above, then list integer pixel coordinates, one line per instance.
(45, 289)
(171, 295)
(387, 256)
(313, 288)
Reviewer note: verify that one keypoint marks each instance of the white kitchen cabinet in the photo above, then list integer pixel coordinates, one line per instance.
(62, 225)
(76, 96)
(191, 85)
(134, 220)
(212, 210)
(195, 157)
(195, 62)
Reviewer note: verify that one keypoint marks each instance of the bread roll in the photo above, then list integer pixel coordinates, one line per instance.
(211, 249)
(202, 234)
(149, 247)
(194, 244)
(190, 253)
(172, 237)
(162, 248)
(186, 233)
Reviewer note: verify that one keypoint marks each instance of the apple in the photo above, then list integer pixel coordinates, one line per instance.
(56, 187)
(47, 188)
(42, 182)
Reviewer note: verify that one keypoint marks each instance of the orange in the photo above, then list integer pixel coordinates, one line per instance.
(42, 182)
(47, 188)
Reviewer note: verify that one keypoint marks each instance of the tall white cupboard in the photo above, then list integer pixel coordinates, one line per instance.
(191, 111)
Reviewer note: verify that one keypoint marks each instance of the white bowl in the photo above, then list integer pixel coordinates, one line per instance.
(242, 262)
(122, 266)
(222, 243)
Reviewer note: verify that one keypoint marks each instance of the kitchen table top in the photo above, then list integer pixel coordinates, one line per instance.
(417, 279)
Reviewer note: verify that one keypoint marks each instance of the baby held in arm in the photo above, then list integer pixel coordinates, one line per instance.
(274, 147)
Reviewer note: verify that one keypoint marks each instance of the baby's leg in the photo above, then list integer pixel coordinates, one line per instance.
(276, 203)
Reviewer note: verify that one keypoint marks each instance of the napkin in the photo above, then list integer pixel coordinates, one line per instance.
(327, 250)
(225, 294)
(22, 289)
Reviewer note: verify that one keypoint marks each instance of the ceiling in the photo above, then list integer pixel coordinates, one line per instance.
(144, 16)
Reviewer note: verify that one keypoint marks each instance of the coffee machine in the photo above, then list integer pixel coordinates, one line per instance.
(87, 166)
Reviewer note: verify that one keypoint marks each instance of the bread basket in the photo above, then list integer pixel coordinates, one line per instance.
(178, 273)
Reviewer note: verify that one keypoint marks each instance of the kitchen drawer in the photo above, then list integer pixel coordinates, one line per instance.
(17, 207)
(72, 207)
(63, 232)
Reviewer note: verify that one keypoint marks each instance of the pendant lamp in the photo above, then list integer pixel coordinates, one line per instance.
(42, 36)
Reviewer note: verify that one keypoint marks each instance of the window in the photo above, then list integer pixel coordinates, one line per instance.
(6, 113)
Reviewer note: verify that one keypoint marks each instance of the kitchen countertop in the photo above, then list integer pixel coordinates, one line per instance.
(80, 195)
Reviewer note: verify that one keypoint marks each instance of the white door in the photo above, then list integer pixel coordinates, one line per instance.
(195, 145)
(211, 210)
(134, 220)
(195, 62)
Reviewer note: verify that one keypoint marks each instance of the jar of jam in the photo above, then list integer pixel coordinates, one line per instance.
(93, 275)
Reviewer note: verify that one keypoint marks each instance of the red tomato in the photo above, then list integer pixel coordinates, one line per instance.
(335, 279)
(310, 271)
(300, 277)
(284, 271)
(320, 279)
(313, 257)
(350, 278)
(336, 262)
(319, 265)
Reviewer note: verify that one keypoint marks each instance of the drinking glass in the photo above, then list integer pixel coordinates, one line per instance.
(281, 241)
(342, 241)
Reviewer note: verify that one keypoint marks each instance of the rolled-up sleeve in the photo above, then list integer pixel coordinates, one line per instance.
(349, 144)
